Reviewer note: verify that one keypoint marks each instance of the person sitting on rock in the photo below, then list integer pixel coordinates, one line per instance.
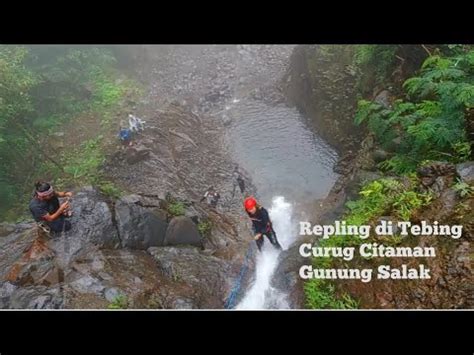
(237, 180)
(47, 210)
(211, 196)
(261, 223)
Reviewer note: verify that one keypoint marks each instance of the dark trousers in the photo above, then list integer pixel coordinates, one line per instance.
(271, 235)
(58, 225)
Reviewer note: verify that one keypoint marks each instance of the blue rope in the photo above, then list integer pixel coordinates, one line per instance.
(230, 302)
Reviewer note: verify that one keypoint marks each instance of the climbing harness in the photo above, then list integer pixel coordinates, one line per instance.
(230, 302)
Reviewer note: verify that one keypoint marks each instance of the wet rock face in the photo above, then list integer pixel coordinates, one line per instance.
(289, 279)
(325, 90)
(182, 231)
(207, 275)
(138, 227)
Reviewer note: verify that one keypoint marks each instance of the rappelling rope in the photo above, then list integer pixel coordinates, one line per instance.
(230, 302)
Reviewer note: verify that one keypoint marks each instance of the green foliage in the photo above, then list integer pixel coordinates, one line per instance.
(204, 227)
(15, 83)
(380, 197)
(85, 161)
(432, 124)
(119, 302)
(383, 196)
(320, 294)
(386, 196)
(462, 152)
(400, 164)
(374, 63)
(7, 196)
(42, 88)
(106, 92)
(463, 189)
(406, 202)
(109, 189)
(176, 208)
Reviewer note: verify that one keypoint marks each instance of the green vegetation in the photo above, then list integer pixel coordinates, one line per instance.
(463, 189)
(430, 123)
(321, 294)
(204, 227)
(377, 198)
(374, 64)
(119, 302)
(176, 208)
(47, 95)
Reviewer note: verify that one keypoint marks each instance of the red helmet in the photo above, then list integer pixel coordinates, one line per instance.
(250, 203)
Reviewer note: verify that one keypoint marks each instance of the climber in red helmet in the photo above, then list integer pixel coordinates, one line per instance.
(261, 223)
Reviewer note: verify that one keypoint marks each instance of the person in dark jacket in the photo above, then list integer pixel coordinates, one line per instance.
(261, 223)
(47, 210)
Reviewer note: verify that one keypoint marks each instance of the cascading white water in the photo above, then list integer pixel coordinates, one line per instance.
(261, 295)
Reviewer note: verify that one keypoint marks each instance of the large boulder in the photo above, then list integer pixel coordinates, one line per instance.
(182, 231)
(138, 227)
(287, 279)
(466, 171)
(137, 153)
(92, 220)
(33, 297)
(13, 247)
(206, 275)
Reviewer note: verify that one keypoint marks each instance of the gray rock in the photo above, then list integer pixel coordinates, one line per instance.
(137, 153)
(438, 186)
(182, 231)
(183, 303)
(383, 98)
(287, 279)
(92, 221)
(88, 284)
(6, 290)
(6, 229)
(36, 297)
(112, 293)
(138, 227)
(226, 120)
(446, 202)
(206, 275)
(466, 171)
(379, 155)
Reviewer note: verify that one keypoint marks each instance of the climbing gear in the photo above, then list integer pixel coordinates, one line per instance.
(230, 302)
(250, 203)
